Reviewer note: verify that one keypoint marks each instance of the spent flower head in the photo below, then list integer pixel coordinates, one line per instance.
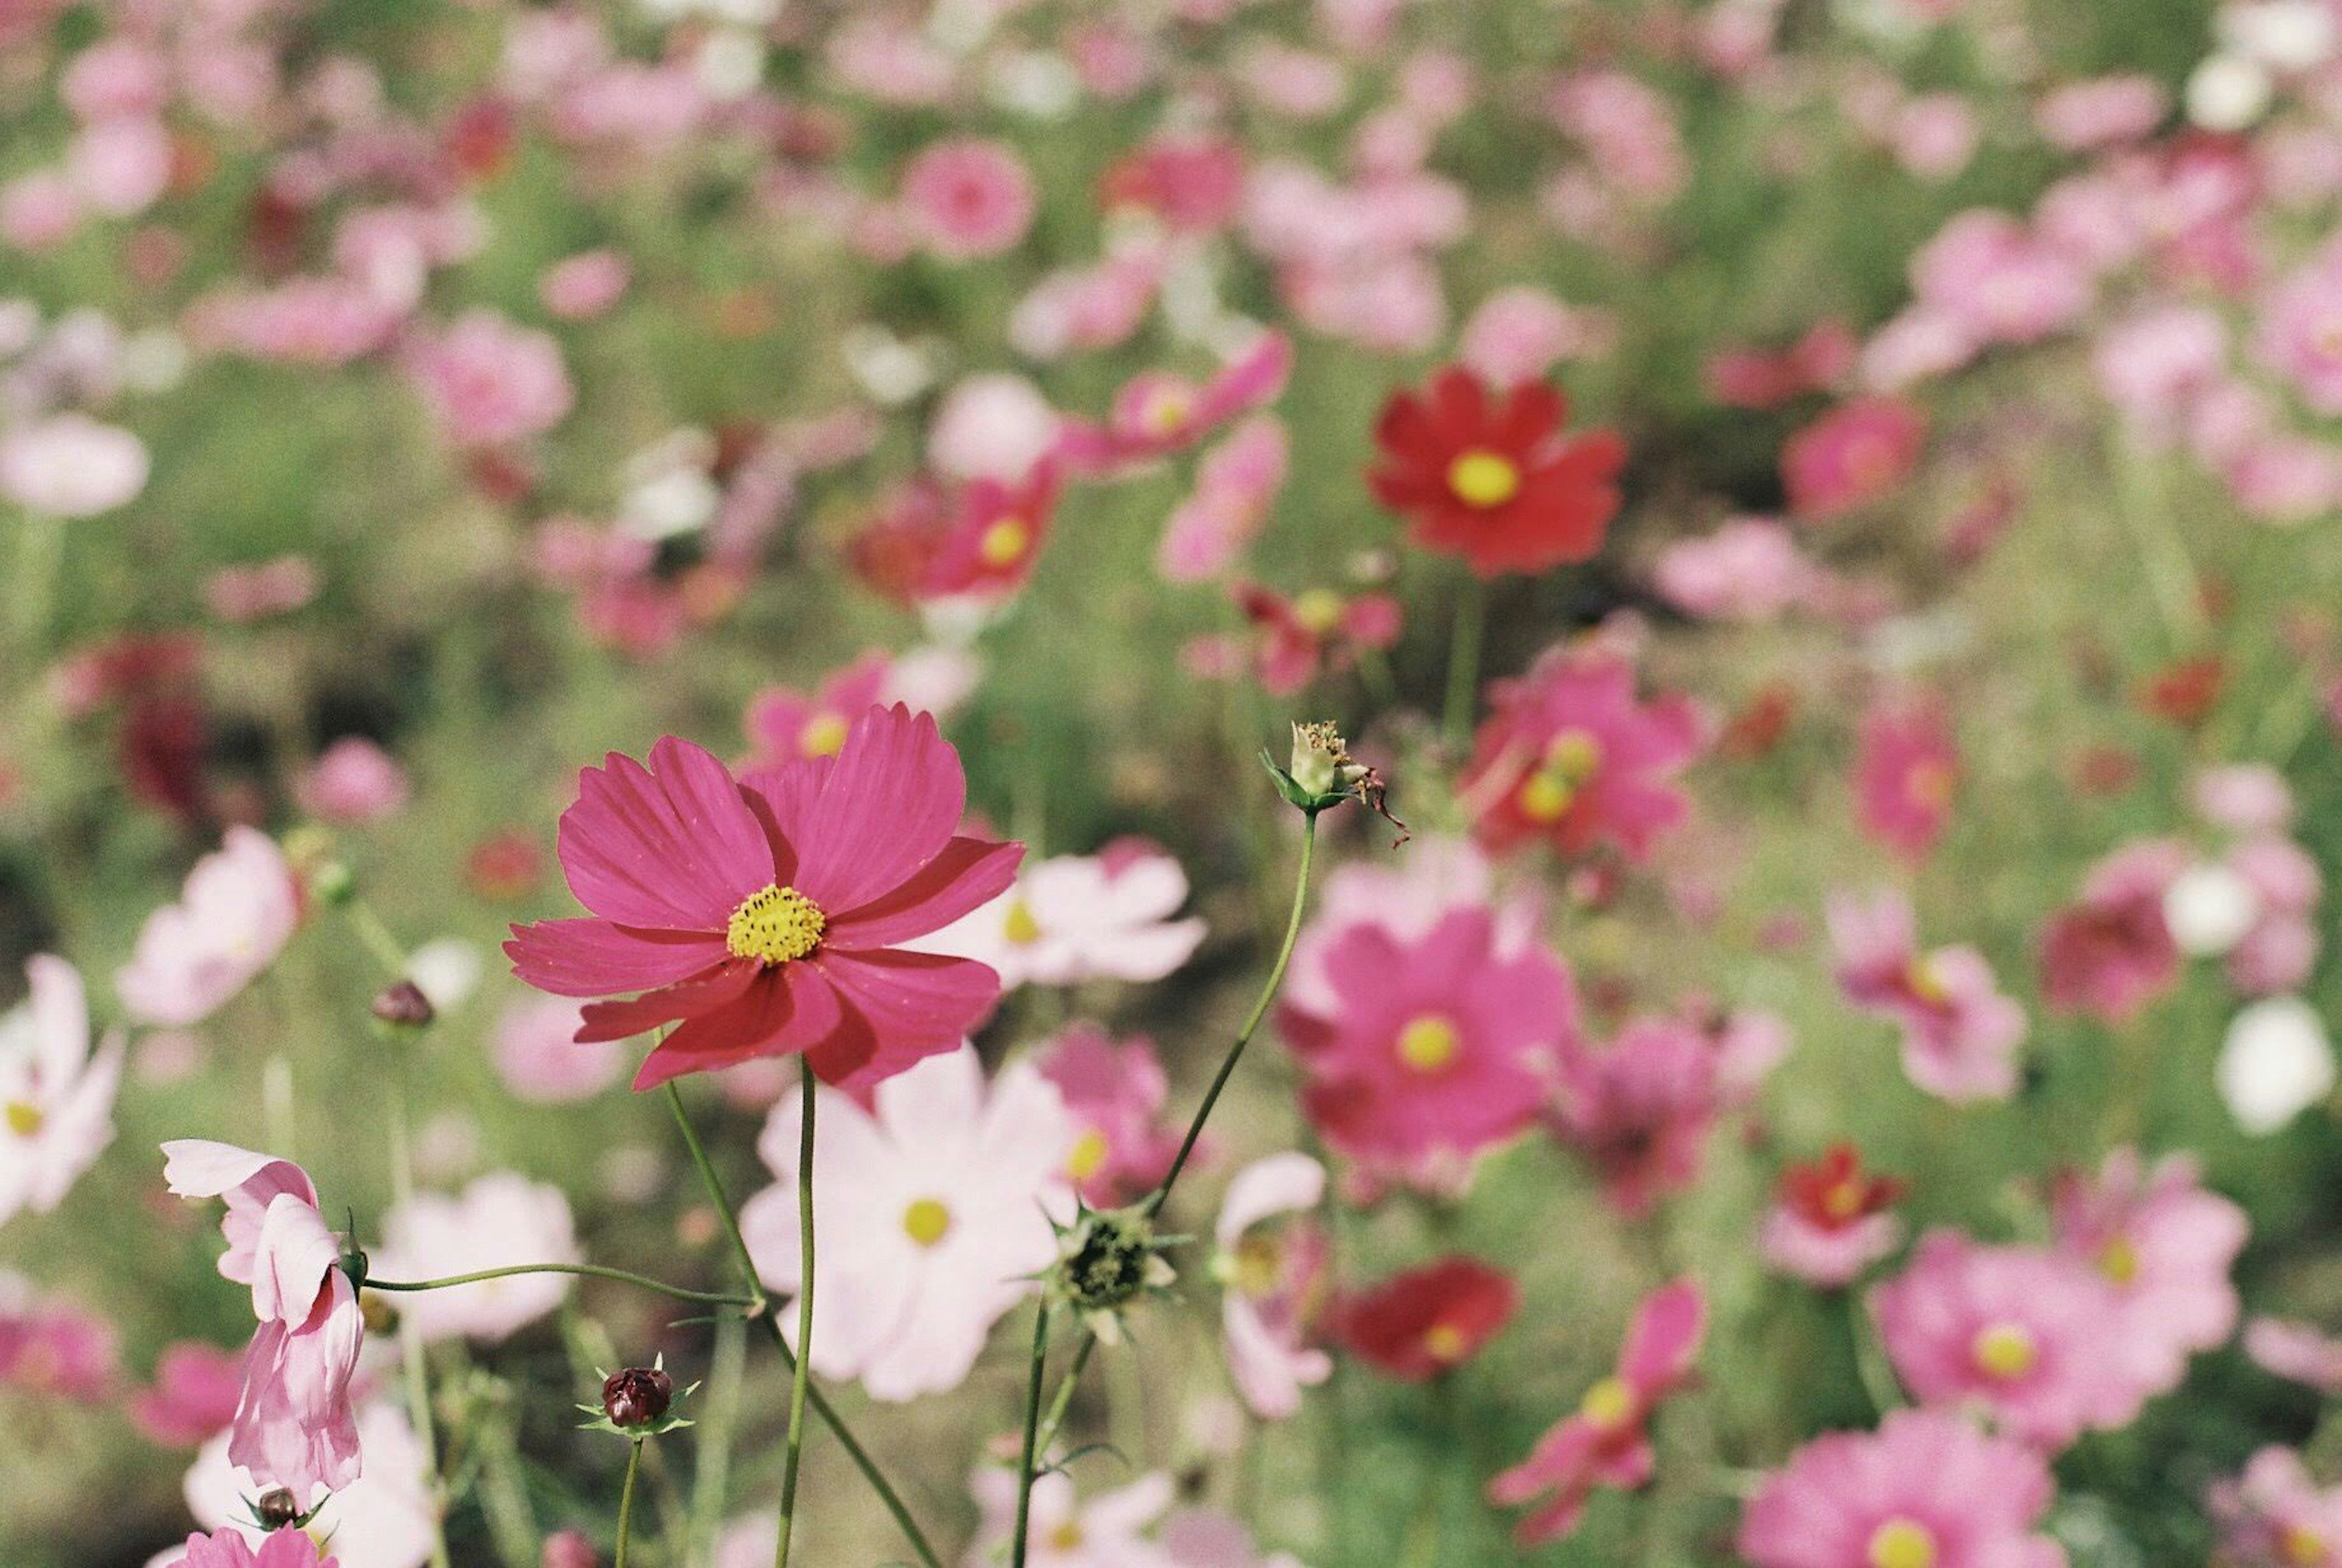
(1322, 774)
(1107, 1259)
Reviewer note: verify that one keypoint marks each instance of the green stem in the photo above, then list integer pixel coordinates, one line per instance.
(1032, 1428)
(411, 1350)
(1464, 663)
(583, 1271)
(802, 1373)
(763, 1313)
(627, 1499)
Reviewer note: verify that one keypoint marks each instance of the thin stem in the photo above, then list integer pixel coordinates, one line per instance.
(375, 936)
(627, 1499)
(1032, 1427)
(763, 1313)
(583, 1271)
(1162, 1193)
(1464, 663)
(411, 1350)
(803, 1370)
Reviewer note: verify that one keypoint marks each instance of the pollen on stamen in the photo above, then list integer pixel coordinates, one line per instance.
(775, 925)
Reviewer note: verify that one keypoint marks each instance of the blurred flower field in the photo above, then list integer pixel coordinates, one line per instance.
(1544, 781)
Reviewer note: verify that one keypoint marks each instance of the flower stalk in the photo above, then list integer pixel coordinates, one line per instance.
(801, 1374)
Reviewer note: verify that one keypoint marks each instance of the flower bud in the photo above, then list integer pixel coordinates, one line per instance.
(570, 1548)
(275, 1508)
(402, 1005)
(637, 1396)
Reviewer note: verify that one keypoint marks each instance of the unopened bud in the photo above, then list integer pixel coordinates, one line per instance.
(275, 1508)
(570, 1548)
(402, 1005)
(333, 881)
(637, 1396)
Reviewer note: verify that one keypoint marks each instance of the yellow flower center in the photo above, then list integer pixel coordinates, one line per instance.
(1902, 1544)
(823, 735)
(774, 926)
(1842, 1201)
(926, 1222)
(2302, 1546)
(1320, 610)
(1544, 796)
(1444, 1342)
(1088, 1156)
(26, 1119)
(1573, 754)
(1926, 984)
(2118, 1261)
(1020, 927)
(1004, 542)
(1428, 1044)
(1067, 1537)
(1483, 478)
(1168, 412)
(1608, 1403)
(1929, 784)
(2005, 1350)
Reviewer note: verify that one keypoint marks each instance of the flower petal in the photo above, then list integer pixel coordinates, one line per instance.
(888, 806)
(588, 957)
(969, 874)
(674, 849)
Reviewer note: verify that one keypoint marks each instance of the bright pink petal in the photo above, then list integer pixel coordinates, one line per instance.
(732, 1034)
(914, 1004)
(969, 874)
(673, 849)
(1664, 1338)
(892, 799)
(592, 957)
(718, 987)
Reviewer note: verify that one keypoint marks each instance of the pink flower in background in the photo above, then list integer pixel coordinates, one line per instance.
(1091, 307)
(265, 588)
(1905, 777)
(992, 428)
(1750, 570)
(2110, 952)
(1987, 272)
(1831, 1220)
(1317, 632)
(694, 881)
(233, 917)
(1193, 184)
(294, 1426)
(2279, 949)
(1435, 1048)
(488, 383)
(538, 1055)
(2300, 335)
(2158, 365)
(1754, 378)
(784, 726)
(352, 781)
(50, 1349)
(120, 165)
(1107, 1532)
(1406, 897)
(1639, 1110)
(1860, 451)
(989, 539)
(2165, 1245)
(1519, 334)
(501, 1218)
(1605, 1442)
(1926, 1490)
(969, 198)
(1158, 413)
(2276, 1515)
(1074, 917)
(1429, 1321)
(1568, 756)
(1960, 1033)
(2021, 1332)
(1274, 1284)
(385, 1519)
(930, 1207)
(196, 1389)
(285, 1548)
(1115, 1091)
(2101, 111)
(56, 1095)
(1235, 483)
(70, 466)
(1199, 1538)
(2300, 1353)
(585, 286)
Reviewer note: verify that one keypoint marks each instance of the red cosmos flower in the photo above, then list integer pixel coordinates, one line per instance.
(980, 541)
(764, 916)
(1492, 479)
(1418, 1324)
(1316, 628)
(1835, 1192)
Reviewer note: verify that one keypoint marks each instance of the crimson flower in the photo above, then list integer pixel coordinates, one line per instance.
(1427, 1320)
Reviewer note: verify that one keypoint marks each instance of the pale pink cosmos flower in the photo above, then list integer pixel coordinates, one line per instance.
(489, 383)
(2155, 367)
(929, 1208)
(352, 781)
(39, 210)
(1905, 775)
(2297, 1352)
(2110, 952)
(1925, 1488)
(2300, 335)
(2244, 798)
(287, 1548)
(993, 426)
(1274, 1284)
(234, 914)
(1235, 483)
(121, 166)
(539, 1056)
(1072, 918)
(1199, 1538)
(2100, 111)
(264, 588)
(970, 197)
(1114, 1090)
(196, 1389)
(1999, 281)
(1157, 414)
(51, 1348)
(1749, 571)
(1960, 1033)
(585, 286)
(2166, 1246)
(2276, 1515)
(1092, 307)
(56, 1096)
(1519, 334)
(2018, 1332)
(2279, 949)
(500, 1218)
(296, 1426)
(385, 1519)
(70, 466)
(1109, 1531)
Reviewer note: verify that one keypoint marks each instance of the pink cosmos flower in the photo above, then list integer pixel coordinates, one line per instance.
(1960, 1033)
(1750, 570)
(784, 726)
(70, 466)
(500, 1218)
(930, 1207)
(121, 164)
(1435, 1048)
(538, 1055)
(488, 383)
(1107, 1532)
(57, 1098)
(969, 198)
(1987, 272)
(1831, 1220)
(2158, 365)
(978, 542)
(2300, 1353)
(1639, 1110)
(385, 1519)
(992, 428)
(2101, 111)
(1192, 183)
(1274, 1284)
(1926, 1490)
(1115, 1091)
(285, 1548)
(2021, 1332)
(196, 1389)
(295, 1425)
(1429, 1321)
(1199, 1538)
(52, 1348)
(1757, 378)
(1319, 630)
(768, 914)
(265, 588)
(1905, 777)
(1090, 308)
(1073, 918)
(2110, 952)
(1567, 754)
(585, 286)
(2300, 335)
(352, 781)
(1605, 1442)
(1158, 413)
(2275, 1515)
(1235, 483)
(2165, 1245)
(1859, 453)
(233, 917)
(1406, 897)
(2279, 949)
(1518, 334)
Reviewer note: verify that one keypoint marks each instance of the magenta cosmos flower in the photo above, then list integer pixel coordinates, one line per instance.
(2165, 1246)
(1960, 1034)
(764, 916)
(1926, 1490)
